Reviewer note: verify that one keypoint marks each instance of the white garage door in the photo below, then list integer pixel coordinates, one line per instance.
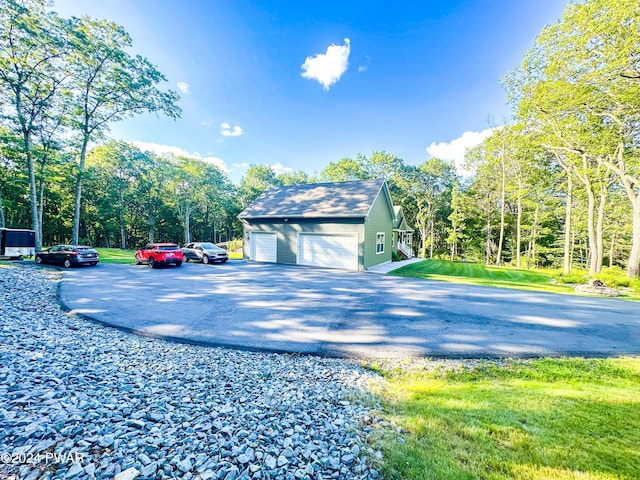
(264, 247)
(330, 250)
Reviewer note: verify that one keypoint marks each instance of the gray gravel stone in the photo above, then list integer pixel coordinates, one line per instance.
(158, 409)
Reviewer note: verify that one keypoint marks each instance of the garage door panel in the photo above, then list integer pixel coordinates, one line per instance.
(264, 247)
(332, 251)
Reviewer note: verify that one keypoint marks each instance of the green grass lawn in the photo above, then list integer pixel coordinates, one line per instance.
(116, 255)
(479, 274)
(516, 419)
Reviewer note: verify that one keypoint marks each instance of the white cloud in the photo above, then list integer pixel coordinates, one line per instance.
(455, 149)
(206, 123)
(159, 149)
(183, 87)
(362, 68)
(279, 168)
(327, 68)
(227, 131)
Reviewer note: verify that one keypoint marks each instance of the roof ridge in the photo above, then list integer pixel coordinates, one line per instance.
(329, 199)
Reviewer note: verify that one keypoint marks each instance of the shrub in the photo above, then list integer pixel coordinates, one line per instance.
(572, 278)
(613, 277)
(396, 257)
(235, 244)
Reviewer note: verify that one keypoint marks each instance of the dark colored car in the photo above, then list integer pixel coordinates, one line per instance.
(156, 254)
(68, 256)
(204, 252)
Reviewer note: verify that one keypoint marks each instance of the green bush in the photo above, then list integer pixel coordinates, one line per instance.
(572, 278)
(614, 277)
(396, 257)
(235, 244)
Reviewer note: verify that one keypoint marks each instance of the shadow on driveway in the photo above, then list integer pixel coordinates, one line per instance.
(346, 314)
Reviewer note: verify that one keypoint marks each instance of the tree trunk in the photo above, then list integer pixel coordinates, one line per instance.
(78, 191)
(566, 268)
(433, 235)
(534, 234)
(633, 269)
(123, 234)
(423, 247)
(187, 226)
(151, 221)
(2, 220)
(612, 248)
(33, 192)
(600, 228)
(519, 224)
(503, 201)
(488, 242)
(41, 206)
(591, 230)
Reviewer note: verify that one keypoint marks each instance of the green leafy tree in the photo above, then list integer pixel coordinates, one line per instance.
(344, 170)
(295, 178)
(108, 85)
(455, 233)
(425, 192)
(258, 179)
(579, 86)
(32, 50)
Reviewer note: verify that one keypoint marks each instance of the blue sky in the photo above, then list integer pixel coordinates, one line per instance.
(297, 85)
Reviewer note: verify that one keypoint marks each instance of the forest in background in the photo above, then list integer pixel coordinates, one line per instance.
(557, 186)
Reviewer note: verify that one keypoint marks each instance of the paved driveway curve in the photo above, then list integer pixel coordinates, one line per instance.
(346, 314)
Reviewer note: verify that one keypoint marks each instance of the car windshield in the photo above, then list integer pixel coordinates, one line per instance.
(167, 247)
(209, 246)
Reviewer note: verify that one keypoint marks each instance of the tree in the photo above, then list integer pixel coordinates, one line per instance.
(32, 50)
(188, 182)
(108, 86)
(258, 179)
(457, 217)
(382, 165)
(344, 170)
(294, 178)
(578, 85)
(426, 190)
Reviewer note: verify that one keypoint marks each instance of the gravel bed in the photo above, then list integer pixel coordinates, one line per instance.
(80, 400)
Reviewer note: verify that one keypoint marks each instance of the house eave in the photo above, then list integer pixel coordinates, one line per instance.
(305, 217)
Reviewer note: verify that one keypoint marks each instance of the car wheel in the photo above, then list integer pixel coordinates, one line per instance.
(138, 261)
(93, 264)
(38, 260)
(67, 263)
(205, 259)
(178, 264)
(152, 262)
(186, 259)
(225, 260)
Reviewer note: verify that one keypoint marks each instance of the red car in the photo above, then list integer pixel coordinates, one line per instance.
(156, 254)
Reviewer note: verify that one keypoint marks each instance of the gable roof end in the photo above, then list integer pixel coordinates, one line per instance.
(341, 199)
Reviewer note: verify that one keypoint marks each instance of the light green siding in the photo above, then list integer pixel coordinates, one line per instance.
(380, 220)
(287, 233)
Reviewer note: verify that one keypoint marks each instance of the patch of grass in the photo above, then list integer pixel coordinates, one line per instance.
(116, 255)
(479, 274)
(565, 418)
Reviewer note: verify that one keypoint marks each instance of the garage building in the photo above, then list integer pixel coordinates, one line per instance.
(347, 225)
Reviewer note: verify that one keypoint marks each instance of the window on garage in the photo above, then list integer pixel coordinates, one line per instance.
(380, 242)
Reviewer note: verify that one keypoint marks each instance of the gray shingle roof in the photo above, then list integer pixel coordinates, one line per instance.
(343, 199)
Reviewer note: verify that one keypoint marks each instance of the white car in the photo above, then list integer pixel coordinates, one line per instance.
(204, 252)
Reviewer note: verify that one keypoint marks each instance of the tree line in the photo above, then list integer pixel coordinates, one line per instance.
(557, 186)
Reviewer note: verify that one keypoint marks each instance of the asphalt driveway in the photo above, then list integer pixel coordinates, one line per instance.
(346, 314)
